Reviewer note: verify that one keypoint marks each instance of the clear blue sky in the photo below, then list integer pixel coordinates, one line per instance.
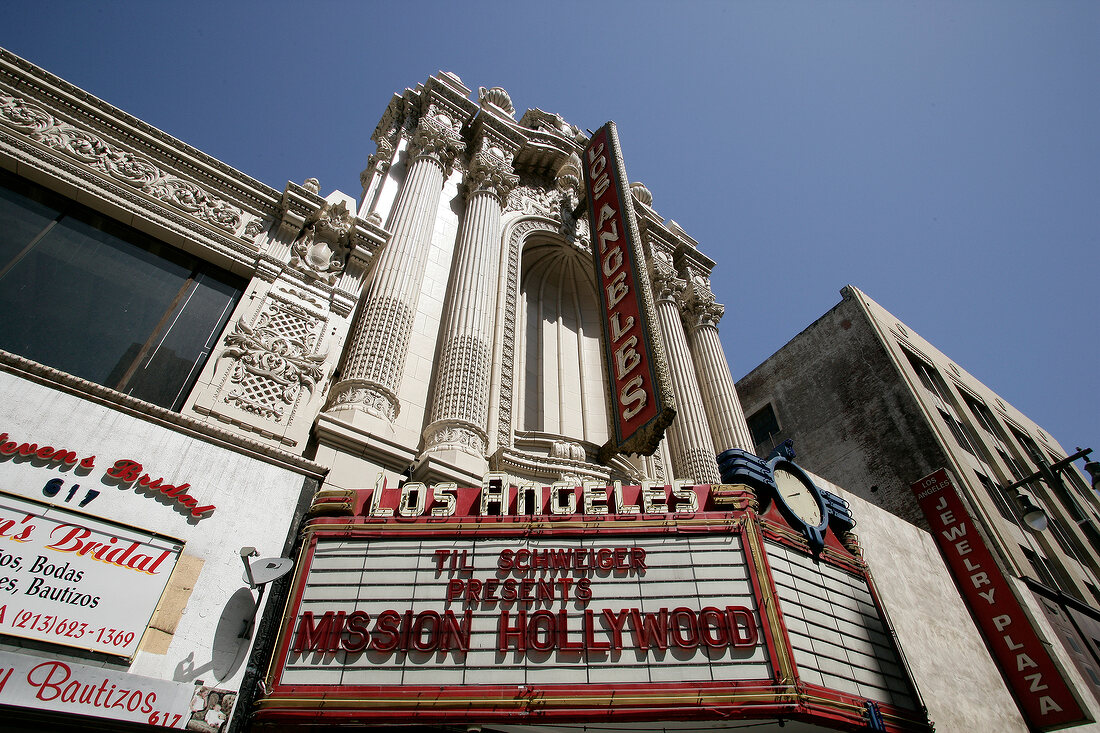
(942, 156)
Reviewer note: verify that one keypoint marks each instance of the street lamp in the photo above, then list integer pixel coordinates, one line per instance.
(1093, 467)
(1034, 517)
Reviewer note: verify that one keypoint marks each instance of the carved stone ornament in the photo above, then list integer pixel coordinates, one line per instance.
(459, 435)
(370, 397)
(321, 250)
(698, 305)
(568, 177)
(497, 97)
(273, 361)
(556, 204)
(491, 172)
(666, 285)
(436, 139)
(567, 449)
(378, 161)
(534, 200)
(253, 228)
(121, 165)
(641, 193)
(312, 185)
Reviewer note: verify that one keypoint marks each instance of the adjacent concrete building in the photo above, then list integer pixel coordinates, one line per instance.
(873, 406)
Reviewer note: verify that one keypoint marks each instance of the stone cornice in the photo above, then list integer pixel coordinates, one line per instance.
(498, 130)
(688, 257)
(74, 105)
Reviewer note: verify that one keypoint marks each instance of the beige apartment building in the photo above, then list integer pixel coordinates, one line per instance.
(873, 406)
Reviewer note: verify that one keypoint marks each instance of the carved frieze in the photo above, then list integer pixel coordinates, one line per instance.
(118, 163)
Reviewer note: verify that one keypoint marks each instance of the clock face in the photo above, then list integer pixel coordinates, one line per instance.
(798, 497)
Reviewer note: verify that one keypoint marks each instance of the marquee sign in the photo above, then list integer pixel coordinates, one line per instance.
(1040, 690)
(74, 580)
(502, 610)
(541, 604)
(641, 393)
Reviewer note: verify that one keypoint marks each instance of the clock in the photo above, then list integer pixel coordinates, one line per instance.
(801, 501)
(799, 497)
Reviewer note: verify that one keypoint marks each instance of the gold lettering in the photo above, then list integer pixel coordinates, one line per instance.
(618, 330)
(626, 357)
(630, 393)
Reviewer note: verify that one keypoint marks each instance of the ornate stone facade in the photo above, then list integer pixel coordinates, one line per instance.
(404, 335)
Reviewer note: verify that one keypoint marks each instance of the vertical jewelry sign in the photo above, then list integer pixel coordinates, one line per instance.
(1043, 695)
(641, 391)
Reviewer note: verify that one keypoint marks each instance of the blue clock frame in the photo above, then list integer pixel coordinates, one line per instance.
(737, 466)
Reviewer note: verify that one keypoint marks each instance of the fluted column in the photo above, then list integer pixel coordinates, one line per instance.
(689, 441)
(724, 414)
(460, 404)
(378, 164)
(375, 361)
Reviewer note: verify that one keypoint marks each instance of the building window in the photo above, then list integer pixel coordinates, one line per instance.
(1041, 568)
(1095, 593)
(1060, 536)
(984, 418)
(764, 426)
(959, 431)
(1013, 465)
(997, 494)
(928, 376)
(89, 296)
(1029, 446)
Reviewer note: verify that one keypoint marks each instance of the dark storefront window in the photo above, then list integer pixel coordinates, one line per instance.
(89, 296)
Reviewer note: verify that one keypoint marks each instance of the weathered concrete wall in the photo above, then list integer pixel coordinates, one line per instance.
(837, 395)
(961, 686)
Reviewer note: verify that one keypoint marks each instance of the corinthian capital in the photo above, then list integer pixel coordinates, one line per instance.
(698, 306)
(698, 314)
(436, 139)
(666, 285)
(491, 172)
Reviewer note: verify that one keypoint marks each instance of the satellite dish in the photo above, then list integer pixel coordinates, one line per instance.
(267, 569)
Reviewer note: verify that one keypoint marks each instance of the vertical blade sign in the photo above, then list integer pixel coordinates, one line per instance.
(641, 395)
(1041, 692)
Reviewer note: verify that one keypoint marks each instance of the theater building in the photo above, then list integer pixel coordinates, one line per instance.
(485, 412)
